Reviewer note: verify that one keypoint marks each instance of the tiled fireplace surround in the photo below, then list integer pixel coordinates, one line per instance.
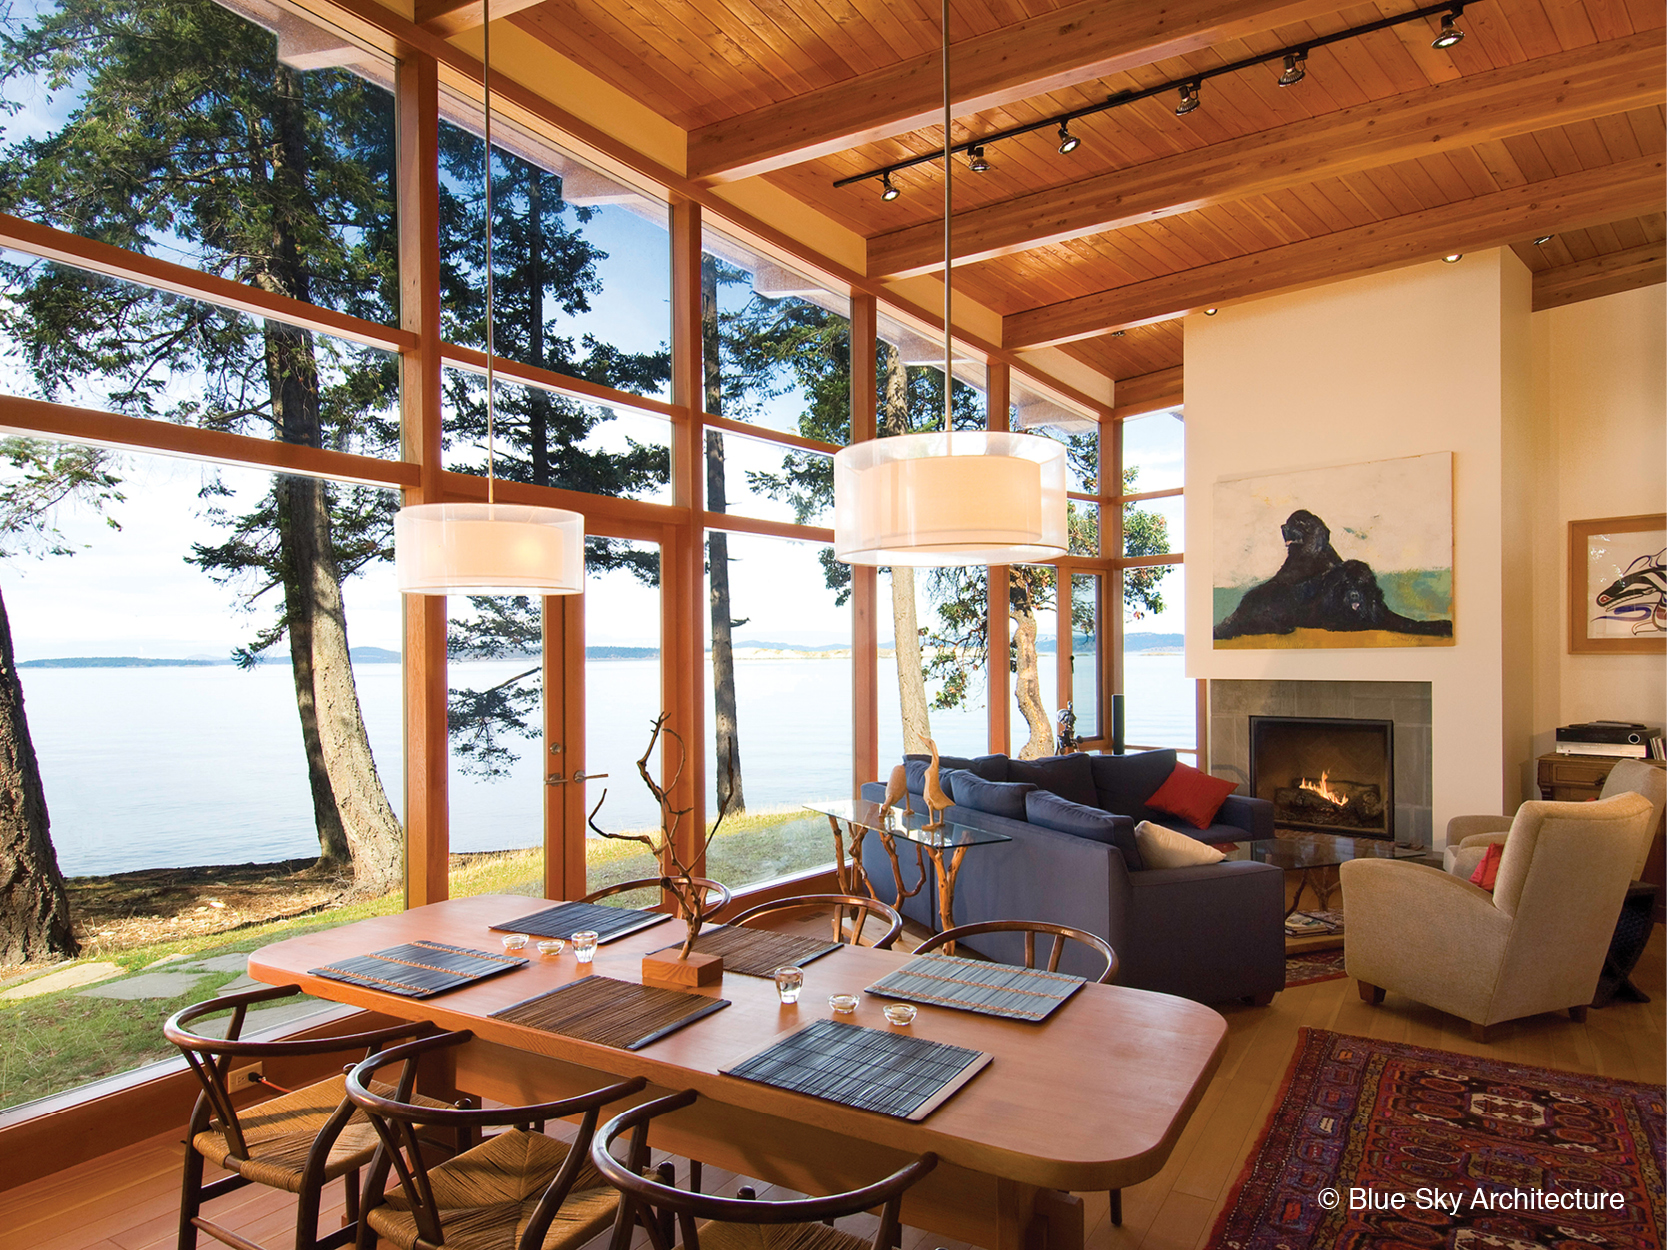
(1407, 703)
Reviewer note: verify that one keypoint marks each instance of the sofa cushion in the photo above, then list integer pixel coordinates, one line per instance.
(989, 767)
(998, 798)
(1161, 847)
(1068, 776)
(1192, 795)
(1050, 811)
(1124, 782)
(946, 779)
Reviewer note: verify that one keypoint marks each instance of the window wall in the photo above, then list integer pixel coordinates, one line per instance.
(326, 392)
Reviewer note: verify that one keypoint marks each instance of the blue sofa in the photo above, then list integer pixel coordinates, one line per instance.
(1211, 932)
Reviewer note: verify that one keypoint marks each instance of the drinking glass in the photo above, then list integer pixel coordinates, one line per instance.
(584, 945)
(789, 981)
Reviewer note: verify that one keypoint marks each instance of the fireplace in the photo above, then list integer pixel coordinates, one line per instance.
(1325, 774)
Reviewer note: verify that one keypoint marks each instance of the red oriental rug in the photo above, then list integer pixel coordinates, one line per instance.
(1380, 1146)
(1308, 967)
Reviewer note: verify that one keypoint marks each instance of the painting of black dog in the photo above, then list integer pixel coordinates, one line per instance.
(1316, 588)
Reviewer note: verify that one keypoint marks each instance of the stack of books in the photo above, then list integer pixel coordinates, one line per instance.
(1627, 739)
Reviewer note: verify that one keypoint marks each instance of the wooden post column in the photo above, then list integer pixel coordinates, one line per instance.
(427, 832)
(865, 648)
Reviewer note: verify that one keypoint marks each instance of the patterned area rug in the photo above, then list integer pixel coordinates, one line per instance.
(1306, 969)
(1448, 1151)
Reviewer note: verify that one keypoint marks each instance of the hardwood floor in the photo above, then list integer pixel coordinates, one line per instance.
(128, 1200)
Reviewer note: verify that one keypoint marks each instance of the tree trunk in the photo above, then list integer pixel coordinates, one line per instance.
(911, 673)
(1027, 685)
(356, 826)
(538, 416)
(34, 911)
(727, 744)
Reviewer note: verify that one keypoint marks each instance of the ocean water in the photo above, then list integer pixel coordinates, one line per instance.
(172, 767)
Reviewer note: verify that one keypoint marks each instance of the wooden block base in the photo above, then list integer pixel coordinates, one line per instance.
(665, 968)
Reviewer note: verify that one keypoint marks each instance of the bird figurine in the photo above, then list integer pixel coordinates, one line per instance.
(898, 788)
(936, 799)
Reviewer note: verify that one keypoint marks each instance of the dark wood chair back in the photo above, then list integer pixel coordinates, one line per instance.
(853, 907)
(716, 893)
(639, 1191)
(397, 1120)
(1030, 928)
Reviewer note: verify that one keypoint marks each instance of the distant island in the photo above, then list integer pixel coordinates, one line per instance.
(360, 655)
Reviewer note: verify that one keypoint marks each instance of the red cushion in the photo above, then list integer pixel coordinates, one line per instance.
(1487, 872)
(1192, 795)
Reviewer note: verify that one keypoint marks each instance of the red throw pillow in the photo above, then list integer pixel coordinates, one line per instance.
(1487, 872)
(1192, 795)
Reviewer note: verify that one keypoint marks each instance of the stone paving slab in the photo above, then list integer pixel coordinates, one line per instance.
(63, 979)
(146, 985)
(244, 982)
(264, 1017)
(220, 963)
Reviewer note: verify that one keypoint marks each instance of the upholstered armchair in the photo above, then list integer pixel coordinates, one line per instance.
(1468, 837)
(1535, 944)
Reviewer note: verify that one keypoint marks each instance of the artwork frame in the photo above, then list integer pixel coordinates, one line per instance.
(1604, 552)
(1341, 555)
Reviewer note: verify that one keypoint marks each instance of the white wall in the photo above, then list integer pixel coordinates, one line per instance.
(1426, 359)
(1601, 369)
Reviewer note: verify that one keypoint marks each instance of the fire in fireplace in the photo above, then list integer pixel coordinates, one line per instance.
(1325, 774)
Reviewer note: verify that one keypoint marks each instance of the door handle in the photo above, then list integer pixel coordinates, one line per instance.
(556, 779)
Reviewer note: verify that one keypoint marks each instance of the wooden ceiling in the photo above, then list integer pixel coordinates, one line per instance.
(1547, 119)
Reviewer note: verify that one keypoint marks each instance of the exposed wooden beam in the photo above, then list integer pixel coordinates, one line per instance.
(1593, 81)
(452, 17)
(1075, 44)
(1148, 392)
(1602, 275)
(1572, 202)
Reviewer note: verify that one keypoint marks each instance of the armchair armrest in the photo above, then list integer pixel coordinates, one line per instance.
(1461, 829)
(1254, 816)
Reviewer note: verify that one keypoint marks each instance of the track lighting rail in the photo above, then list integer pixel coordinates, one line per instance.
(1188, 86)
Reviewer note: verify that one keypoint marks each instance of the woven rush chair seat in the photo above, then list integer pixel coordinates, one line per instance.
(721, 1235)
(280, 1132)
(487, 1196)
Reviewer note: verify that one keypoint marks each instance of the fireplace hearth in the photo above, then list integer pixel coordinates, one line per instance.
(1325, 774)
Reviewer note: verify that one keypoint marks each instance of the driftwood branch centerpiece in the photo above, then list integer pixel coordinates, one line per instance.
(683, 966)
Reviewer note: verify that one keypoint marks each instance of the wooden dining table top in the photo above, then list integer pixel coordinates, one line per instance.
(1092, 1098)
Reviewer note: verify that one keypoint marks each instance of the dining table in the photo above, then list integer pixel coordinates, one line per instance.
(1091, 1099)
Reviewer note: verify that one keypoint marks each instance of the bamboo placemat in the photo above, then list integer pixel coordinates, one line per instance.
(972, 985)
(614, 1013)
(418, 969)
(869, 1069)
(759, 952)
(566, 919)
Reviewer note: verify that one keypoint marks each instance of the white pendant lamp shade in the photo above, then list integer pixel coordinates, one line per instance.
(940, 500)
(489, 549)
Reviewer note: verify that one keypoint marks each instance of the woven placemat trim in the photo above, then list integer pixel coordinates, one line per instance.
(869, 1069)
(971, 985)
(565, 919)
(418, 969)
(621, 1014)
(759, 952)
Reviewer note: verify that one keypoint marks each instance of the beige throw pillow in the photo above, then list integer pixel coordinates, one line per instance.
(1164, 848)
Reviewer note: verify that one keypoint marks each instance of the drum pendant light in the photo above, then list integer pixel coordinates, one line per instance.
(954, 497)
(488, 548)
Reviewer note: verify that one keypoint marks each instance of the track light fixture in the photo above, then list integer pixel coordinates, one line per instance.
(1210, 312)
(1543, 240)
(1453, 258)
(888, 190)
(1294, 56)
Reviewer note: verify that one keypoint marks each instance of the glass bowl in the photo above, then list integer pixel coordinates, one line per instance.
(551, 947)
(844, 1004)
(900, 1013)
(515, 941)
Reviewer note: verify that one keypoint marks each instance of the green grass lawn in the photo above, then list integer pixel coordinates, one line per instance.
(60, 1040)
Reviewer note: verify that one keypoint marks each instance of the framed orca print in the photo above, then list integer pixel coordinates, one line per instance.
(1355, 555)
(1618, 585)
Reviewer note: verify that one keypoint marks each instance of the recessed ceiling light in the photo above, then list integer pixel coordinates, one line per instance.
(1210, 312)
(1453, 258)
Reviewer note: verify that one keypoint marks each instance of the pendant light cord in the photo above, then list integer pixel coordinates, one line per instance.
(486, 110)
(948, 174)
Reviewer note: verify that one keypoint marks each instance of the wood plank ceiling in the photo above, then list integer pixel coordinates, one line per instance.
(1547, 119)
